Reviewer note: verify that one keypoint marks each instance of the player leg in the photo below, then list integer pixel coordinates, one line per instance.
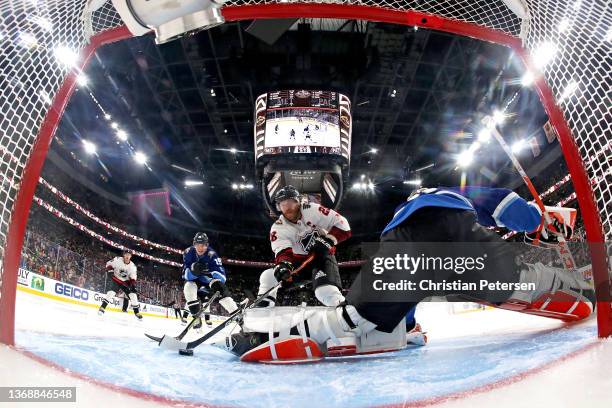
(266, 282)
(217, 284)
(190, 291)
(326, 281)
(133, 298)
(110, 295)
(126, 304)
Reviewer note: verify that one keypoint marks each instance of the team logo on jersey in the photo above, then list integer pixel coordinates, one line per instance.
(320, 275)
(307, 240)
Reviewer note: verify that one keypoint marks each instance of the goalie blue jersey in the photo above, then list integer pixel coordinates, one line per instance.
(494, 207)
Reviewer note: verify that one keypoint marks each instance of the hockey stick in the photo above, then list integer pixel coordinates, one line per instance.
(191, 323)
(562, 248)
(187, 348)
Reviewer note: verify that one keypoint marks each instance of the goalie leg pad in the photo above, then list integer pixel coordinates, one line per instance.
(560, 305)
(292, 350)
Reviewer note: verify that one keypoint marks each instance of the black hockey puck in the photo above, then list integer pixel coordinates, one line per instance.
(186, 352)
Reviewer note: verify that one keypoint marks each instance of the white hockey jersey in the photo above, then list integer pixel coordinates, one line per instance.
(122, 271)
(315, 220)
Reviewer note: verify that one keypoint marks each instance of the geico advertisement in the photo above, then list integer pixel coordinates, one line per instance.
(65, 290)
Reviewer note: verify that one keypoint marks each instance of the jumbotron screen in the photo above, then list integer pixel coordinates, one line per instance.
(302, 121)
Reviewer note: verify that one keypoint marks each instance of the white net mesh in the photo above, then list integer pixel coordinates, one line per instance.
(579, 74)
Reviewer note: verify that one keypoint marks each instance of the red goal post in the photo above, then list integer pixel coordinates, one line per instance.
(35, 88)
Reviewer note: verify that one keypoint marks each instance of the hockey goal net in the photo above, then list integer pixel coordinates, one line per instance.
(35, 86)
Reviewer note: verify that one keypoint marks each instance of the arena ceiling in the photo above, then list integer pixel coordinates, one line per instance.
(418, 97)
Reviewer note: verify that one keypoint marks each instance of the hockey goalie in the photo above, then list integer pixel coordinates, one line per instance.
(359, 326)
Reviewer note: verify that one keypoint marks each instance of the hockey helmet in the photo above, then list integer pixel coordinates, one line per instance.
(200, 238)
(286, 193)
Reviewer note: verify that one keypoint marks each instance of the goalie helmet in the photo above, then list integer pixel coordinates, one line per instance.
(200, 238)
(286, 193)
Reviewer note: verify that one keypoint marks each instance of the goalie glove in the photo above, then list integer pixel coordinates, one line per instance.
(558, 225)
(282, 272)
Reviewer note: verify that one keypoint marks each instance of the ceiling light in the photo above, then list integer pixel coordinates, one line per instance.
(140, 157)
(122, 135)
(465, 158)
(66, 56)
(89, 147)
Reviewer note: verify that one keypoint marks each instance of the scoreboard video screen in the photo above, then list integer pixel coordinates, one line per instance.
(302, 122)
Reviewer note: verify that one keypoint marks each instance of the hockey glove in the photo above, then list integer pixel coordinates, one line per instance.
(551, 232)
(199, 269)
(322, 245)
(282, 272)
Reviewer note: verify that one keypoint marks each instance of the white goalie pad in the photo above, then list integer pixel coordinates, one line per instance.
(278, 321)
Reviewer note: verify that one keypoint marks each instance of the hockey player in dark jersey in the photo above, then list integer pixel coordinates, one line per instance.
(204, 272)
(451, 215)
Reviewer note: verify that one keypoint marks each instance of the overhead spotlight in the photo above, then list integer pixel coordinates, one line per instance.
(484, 135)
(563, 25)
(371, 185)
(82, 80)
(569, 90)
(45, 96)
(373, 150)
(527, 79)
(465, 158)
(234, 150)
(363, 176)
(140, 158)
(189, 183)
(518, 146)
(249, 186)
(234, 186)
(107, 116)
(224, 130)
(114, 125)
(27, 40)
(122, 135)
(66, 56)
(43, 23)
(475, 146)
(89, 147)
(543, 54)
(415, 182)
(498, 117)
(356, 186)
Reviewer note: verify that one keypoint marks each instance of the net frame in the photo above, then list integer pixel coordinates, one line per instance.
(26, 135)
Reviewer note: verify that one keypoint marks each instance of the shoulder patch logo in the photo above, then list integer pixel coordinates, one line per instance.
(320, 275)
(278, 222)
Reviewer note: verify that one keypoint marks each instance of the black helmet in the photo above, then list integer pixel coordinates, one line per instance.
(286, 193)
(200, 238)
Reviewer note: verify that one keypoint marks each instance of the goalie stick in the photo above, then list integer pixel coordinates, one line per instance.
(187, 348)
(561, 248)
(191, 323)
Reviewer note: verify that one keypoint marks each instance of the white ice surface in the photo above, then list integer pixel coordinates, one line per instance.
(466, 352)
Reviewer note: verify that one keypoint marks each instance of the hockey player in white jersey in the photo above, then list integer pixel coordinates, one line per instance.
(452, 215)
(123, 279)
(303, 229)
